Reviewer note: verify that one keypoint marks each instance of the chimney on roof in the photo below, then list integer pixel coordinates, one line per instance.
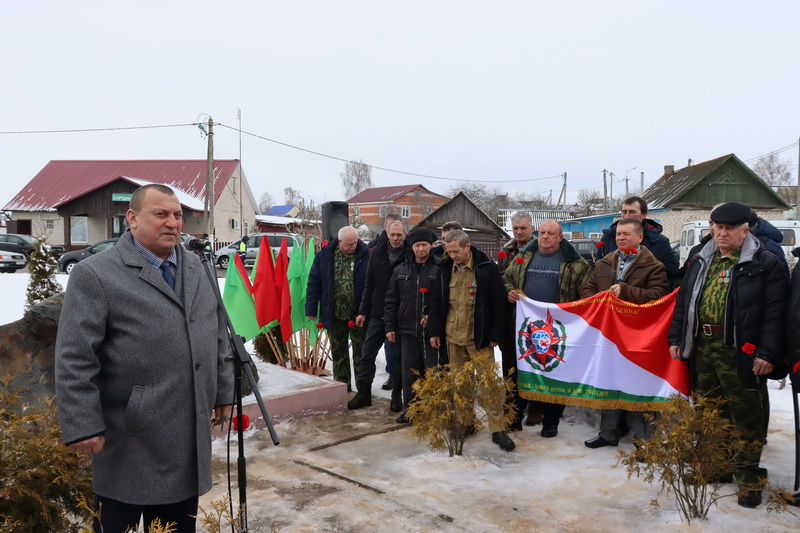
(669, 170)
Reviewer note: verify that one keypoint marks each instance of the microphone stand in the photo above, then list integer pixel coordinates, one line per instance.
(241, 362)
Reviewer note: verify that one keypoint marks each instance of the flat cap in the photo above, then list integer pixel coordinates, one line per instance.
(732, 214)
(421, 234)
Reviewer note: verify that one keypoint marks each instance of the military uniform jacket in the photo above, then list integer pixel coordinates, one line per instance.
(490, 298)
(755, 305)
(143, 366)
(319, 291)
(573, 273)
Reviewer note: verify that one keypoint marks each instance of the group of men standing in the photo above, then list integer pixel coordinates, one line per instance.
(446, 304)
(142, 340)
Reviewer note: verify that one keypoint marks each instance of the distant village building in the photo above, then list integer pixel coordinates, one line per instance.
(690, 193)
(537, 216)
(411, 202)
(77, 203)
(482, 230)
(283, 211)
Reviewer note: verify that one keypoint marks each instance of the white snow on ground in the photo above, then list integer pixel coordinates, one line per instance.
(544, 485)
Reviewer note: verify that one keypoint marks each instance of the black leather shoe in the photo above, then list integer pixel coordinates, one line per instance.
(503, 440)
(516, 425)
(598, 442)
(402, 419)
(749, 498)
(549, 432)
(387, 385)
(361, 399)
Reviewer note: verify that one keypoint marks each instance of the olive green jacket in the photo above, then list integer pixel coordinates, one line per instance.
(572, 276)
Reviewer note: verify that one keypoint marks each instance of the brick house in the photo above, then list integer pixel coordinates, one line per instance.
(411, 202)
(77, 203)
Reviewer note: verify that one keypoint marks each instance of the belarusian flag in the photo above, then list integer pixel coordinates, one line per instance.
(599, 352)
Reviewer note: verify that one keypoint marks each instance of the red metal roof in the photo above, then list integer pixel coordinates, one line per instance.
(61, 181)
(384, 194)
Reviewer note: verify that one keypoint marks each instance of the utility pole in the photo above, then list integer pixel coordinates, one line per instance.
(563, 193)
(210, 181)
(641, 183)
(605, 192)
(241, 177)
(611, 186)
(797, 192)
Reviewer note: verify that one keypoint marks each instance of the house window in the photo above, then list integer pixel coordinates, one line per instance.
(79, 230)
(427, 210)
(405, 211)
(383, 211)
(355, 210)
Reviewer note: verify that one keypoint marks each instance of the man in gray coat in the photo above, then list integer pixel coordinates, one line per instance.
(142, 369)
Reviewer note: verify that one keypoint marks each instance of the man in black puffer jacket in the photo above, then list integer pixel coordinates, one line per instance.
(729, 321)
(473, 309)
(413, 311)
(793, 343)
(382, 260)
(636, 207)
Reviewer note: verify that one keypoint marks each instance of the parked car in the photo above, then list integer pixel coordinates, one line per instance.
(586, 247)
(10, 262)
(17, 242)
(253, 244)
(67, 261)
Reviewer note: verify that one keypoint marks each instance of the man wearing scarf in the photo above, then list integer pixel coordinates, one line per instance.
(631, 273)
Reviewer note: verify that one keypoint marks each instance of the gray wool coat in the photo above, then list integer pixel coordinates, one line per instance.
(144, 366)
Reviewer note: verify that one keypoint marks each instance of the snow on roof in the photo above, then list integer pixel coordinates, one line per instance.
(63, 181)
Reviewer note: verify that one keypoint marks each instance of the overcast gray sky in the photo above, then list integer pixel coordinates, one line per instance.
(468, 90)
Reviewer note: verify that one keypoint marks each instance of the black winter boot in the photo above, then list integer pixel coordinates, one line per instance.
(363, 398)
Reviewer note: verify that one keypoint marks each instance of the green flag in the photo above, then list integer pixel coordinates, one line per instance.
(311, 326)
(238, 299)
(297, 285)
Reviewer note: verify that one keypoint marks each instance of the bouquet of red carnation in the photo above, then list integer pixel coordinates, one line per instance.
(502, 254)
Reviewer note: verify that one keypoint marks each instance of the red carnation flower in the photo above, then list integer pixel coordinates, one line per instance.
(599, 244)
(351, 324)
(319, 325)
(796, 367)
(423, 290)
(519, 260)
(324, 244)
(633, 251)
(245, 422)
(749, 348)
(501, 254)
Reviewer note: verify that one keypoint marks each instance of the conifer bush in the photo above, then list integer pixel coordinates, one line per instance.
(43, 268)
(444, 407)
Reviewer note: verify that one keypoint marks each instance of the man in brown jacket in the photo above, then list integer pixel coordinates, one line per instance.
(633, 274)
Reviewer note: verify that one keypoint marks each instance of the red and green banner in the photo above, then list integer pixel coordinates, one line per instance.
(599, 352)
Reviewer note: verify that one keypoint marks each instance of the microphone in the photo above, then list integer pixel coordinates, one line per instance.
(197, 244)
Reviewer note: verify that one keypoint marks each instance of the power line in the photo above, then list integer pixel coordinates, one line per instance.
(94, 129)
(774, 152)
(383, 168)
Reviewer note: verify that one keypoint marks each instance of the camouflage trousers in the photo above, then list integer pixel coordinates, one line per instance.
(715, 367)
(339, 335)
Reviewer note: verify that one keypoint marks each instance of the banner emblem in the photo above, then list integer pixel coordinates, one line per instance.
(542, 342)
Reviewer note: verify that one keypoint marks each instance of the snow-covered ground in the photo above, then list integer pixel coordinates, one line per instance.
(383, 479)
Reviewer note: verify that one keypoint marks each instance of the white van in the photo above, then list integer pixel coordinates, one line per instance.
(693, 232)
